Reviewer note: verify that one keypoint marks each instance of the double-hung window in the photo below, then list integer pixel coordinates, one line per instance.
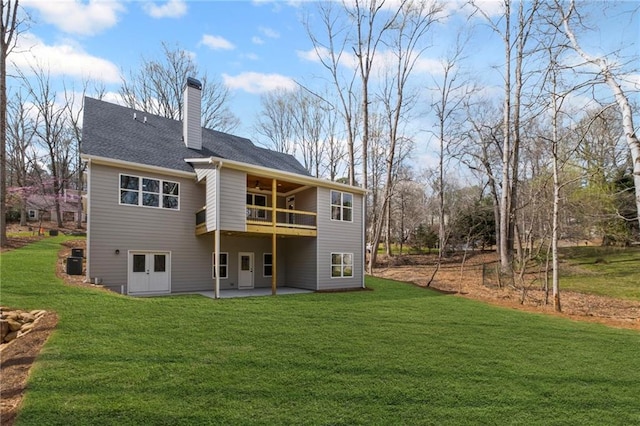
(224, 258)
(149, 192)
(341, 265)
(341, 206)
(267, 265)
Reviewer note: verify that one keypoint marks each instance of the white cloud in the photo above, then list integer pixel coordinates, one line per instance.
(257, 40)
(257, 83)
(63, 59)
(216, 42)
(77, 17)
(269, 32)
(312, 55)
(170, 9)
(347, 60)
(383, 58)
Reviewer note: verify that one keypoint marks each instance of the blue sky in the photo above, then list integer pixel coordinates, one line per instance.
(251, 46)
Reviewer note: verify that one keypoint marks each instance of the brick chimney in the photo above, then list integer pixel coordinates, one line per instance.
(191, 118)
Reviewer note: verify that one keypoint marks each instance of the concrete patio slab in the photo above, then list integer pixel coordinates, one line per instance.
(254, 292)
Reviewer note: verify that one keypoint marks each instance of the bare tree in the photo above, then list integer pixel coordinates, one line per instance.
(515, 50)
(310, 116)
(371, 24)
(451, 89)
(331, 54)
(9, 29)
(408, 208)
(611, 79)
(479, 148)
(334, 148)
(52, 132)
(411, 24)
(74, 103)
(20, 155)
(276, 120)
(157, 88)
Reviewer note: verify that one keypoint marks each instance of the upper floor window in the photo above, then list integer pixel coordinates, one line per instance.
(341, 206)
(148, 192)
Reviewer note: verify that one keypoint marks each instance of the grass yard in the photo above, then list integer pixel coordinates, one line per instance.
(607, 271)
(396, 355)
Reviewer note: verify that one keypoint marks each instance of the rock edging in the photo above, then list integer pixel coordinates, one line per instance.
(15, 323)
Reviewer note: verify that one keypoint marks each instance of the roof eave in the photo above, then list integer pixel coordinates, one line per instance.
(275, 173)
(95, 159)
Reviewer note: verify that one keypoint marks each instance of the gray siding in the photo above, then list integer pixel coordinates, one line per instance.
(301, 262)
(122, 227)
(258, 246)
(212, 176)
(307, 200)
(338, 237)
(301, 252)
(233, 200)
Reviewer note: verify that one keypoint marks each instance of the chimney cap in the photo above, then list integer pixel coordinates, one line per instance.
(192, 82)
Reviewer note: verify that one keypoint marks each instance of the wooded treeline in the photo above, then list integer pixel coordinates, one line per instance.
(552, 156)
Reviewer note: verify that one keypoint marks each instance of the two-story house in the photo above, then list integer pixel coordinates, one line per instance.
(174, 207)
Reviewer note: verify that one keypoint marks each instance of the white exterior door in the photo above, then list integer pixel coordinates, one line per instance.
(149, 272)
(245, 270)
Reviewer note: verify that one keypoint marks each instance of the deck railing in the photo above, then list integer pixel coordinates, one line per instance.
(257, 215)
(263, 216)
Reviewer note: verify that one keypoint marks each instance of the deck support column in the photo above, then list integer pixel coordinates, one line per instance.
(274, 244)
(216, 246)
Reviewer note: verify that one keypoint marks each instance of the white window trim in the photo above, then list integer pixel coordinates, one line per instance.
(140, 192)
(341, 205)
(213, 264)
(264, 264)
(342, 265)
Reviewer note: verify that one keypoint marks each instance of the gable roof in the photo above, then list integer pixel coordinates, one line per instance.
(110, 131)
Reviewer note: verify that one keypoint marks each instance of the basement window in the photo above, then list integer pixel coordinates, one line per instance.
(267, 265)
(224, 266)
(341, 265)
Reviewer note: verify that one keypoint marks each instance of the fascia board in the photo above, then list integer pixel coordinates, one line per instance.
(277, 174)
(135, 166)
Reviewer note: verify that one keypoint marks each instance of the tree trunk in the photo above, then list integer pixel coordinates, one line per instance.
(505, 199)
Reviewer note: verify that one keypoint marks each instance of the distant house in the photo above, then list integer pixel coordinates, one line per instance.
(174, 207)
(41, 207)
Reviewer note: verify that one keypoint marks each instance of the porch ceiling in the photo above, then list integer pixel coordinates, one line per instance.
(264, 184)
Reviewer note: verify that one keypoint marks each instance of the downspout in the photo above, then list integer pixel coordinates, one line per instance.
(364, 240)
(89, 216)
(274, 238)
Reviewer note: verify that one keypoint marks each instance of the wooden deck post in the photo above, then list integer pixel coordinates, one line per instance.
(216, 245)
(274, 245)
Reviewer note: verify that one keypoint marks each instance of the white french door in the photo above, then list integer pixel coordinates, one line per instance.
(149, 272)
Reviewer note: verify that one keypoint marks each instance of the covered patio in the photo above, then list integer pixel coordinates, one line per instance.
(254, 292)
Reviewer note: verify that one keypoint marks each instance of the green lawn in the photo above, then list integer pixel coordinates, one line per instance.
(608, 271)
(396, 355)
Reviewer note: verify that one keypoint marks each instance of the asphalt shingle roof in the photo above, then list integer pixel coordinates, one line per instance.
(110, 131)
